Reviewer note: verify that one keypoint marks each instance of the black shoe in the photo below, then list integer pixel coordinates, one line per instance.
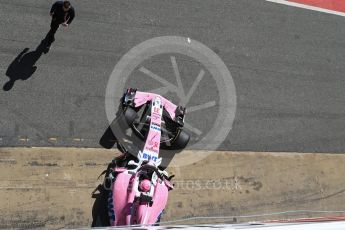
(46, 50)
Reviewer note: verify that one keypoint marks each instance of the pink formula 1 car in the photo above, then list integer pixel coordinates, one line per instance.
(139, 186)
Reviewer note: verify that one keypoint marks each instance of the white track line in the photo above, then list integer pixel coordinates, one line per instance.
(307, 7)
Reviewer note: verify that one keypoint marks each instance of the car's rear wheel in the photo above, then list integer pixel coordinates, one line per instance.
(130, 115)
(127, 118)
(181, 140)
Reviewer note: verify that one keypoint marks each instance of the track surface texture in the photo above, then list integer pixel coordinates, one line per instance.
(50, 188)
(287, 65)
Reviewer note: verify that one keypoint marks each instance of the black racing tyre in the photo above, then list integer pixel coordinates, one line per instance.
(108, 139)
(181, 140)
(125, 118)
(130, 115)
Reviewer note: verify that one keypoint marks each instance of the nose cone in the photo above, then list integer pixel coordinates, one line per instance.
(145, 185)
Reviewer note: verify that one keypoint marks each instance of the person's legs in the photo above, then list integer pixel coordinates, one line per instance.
(54, 25)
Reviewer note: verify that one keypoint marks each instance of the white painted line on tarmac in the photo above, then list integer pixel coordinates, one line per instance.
(78, 139)
(25, 139)
(314, 8)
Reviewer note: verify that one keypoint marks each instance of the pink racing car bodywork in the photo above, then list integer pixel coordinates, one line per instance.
(143, 97)
(139, 195)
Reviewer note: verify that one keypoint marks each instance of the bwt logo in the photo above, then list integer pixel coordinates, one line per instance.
(155, 128)
(149, 157)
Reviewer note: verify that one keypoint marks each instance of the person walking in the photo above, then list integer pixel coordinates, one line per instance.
(62, 13)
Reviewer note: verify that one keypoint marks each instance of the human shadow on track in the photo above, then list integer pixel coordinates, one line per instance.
(24, 65)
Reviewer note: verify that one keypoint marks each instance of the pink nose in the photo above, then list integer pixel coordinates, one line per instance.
(145, 185)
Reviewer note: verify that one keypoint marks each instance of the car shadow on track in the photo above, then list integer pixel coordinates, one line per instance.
(100, 216)
(24, 65)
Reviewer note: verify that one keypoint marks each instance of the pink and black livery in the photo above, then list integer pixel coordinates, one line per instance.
(139, 188)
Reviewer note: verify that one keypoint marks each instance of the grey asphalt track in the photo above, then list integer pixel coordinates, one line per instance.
(287, 65)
